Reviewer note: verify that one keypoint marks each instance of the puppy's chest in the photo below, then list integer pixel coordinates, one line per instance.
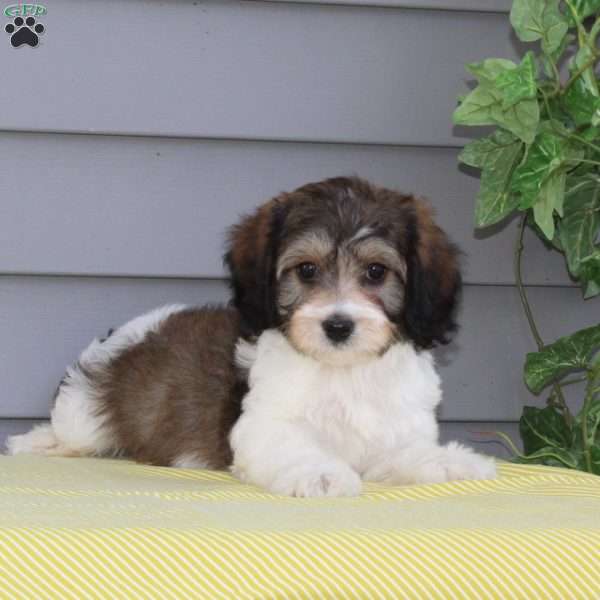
(361, 410)
(351, 411)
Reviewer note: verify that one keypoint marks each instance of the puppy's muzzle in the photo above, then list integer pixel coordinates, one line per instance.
(338, 328)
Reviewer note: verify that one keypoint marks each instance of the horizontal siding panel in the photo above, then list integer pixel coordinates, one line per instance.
(469, 433)
(483, 368)
(501, 6)
(251, 70)
(46, 321)
(103, 205)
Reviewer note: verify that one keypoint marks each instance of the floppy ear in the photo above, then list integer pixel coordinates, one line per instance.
(433, 280)
(251, 259)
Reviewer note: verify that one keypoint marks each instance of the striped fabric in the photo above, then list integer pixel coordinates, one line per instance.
(86, 528)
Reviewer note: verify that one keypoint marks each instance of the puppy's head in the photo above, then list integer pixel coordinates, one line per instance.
(345, 269)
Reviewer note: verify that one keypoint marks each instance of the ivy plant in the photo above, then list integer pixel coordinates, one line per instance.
(542, 162)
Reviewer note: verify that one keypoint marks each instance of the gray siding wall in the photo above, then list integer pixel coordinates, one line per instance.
(127, 150)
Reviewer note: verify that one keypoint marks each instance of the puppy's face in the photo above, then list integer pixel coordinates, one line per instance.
(337, 292)
(345, 269)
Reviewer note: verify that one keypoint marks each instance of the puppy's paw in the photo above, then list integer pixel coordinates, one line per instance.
(317, 480)
(456, 462)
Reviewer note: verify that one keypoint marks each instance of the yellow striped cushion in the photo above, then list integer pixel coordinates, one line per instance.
(89, 528)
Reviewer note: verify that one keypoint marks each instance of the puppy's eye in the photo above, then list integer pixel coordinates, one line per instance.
(376, 272)
(306, 271)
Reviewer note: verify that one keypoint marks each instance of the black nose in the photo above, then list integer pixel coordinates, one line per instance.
(338, 328)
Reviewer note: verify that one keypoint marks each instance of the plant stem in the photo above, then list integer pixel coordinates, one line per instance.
(572, 381)
(584, 39)
(581, 33)
(556, 77)
(584, 160)
(556, 89)
(556, 391)
(584, 141)
(586, 65)
(595, 30)
(521, 288)
(506, 439)
(587, 443)
(547, 105)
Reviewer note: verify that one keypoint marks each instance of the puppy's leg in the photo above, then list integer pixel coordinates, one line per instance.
(287, 459)
(431, 464)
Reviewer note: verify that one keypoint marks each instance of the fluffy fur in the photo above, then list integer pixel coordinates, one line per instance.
(309, 429)
(339, 290)
(158, 389)
(78, 427)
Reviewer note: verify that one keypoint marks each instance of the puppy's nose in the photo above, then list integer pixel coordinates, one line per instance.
(338, 328)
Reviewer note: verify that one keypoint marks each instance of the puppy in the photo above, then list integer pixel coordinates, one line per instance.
(318, 376)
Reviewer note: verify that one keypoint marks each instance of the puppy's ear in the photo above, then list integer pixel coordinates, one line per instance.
(433, 280)
(251, 259)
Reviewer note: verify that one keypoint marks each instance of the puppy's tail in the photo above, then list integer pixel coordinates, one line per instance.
(40, 440)
(74, 428)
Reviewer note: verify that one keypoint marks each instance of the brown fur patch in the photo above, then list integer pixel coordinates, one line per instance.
(434, 249)
(250, 259)
(248, 238)
(177, 392)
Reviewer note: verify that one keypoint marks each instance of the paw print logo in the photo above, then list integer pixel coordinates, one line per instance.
(24, 31)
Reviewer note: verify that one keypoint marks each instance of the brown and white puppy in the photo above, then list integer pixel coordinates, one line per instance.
(339, 290)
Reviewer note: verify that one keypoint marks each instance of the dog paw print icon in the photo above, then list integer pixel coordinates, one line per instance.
(24, 31)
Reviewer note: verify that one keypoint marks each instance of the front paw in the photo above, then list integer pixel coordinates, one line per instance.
(317, 480)
(457, 462)
(435, 464)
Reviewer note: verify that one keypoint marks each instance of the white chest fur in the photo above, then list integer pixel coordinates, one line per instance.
(356, 412)
(308, 429)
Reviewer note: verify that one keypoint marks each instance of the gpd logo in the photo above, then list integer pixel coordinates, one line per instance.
(24, 28)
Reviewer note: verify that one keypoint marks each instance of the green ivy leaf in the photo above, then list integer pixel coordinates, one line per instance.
(484, 152)
(590, 274)
(488, 70)
(593, 416)
(544, 157)
(518, 83)
(483, 106)
(588, 77)
(595, 366)
(550, 200)
(556, 360)
(497, 156)
(554, 110)
(489, 104)
(554, 242)
(580, 224)
(555, 56)
(541, 428)
(580, 103)
(535, 20)
(593, 426)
